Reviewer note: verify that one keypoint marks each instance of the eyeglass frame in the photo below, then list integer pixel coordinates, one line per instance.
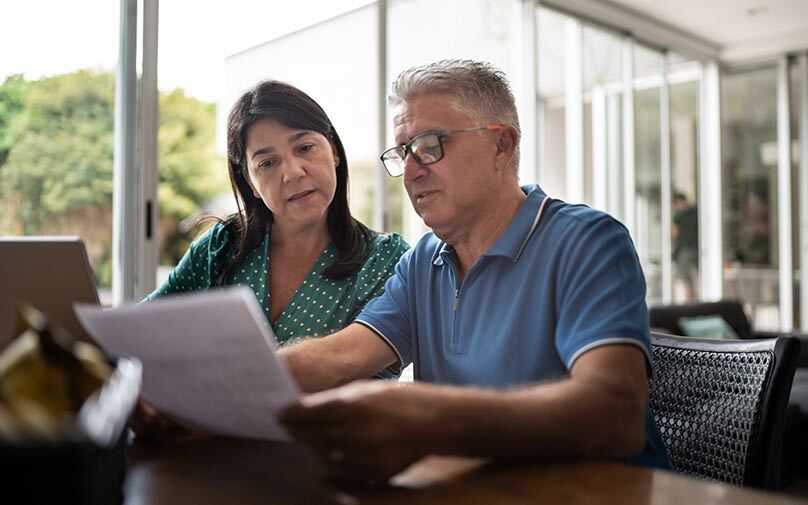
(407, 148)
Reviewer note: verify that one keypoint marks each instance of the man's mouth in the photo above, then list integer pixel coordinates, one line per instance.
(422, 195)
(302, 194)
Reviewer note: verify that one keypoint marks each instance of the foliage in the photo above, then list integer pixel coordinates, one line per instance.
(190, 171)
(12, 98)
(56, 152)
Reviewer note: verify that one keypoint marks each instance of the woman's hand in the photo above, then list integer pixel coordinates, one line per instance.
(153, 426)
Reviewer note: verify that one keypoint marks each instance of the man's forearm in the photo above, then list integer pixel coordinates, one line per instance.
(314, 365)
(563, 419)
(355, 352)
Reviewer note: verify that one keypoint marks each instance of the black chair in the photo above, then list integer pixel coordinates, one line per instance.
(721, 405)
(666, 318)
(731, 311)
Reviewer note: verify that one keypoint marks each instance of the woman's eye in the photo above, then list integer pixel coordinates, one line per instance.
(305, 148)
(266, 164)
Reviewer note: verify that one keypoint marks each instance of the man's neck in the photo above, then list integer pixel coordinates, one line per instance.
(491, 225)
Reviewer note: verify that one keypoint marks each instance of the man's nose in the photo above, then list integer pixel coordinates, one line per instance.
(412, 169)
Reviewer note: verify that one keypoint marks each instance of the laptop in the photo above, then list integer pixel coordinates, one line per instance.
(50, 273)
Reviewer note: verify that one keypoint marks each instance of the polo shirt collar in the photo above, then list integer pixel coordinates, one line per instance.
(516, 236)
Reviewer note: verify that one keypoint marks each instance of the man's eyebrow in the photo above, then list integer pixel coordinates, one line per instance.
(269, 149)
(422, 132)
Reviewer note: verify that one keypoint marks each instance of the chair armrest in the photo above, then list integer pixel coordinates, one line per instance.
(802, 360)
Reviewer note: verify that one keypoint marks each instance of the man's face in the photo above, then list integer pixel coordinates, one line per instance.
(449, 195)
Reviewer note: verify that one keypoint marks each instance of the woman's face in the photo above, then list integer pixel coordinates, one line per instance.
(292, 171)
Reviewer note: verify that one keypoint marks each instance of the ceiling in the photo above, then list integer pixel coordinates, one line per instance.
(743, 30)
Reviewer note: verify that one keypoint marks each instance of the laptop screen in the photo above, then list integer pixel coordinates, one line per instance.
(49, 273)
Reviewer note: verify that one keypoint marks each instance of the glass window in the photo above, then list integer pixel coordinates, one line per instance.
(314, 59)
(648, 171)
(552, 71)
(684, 156)
(203, 71)
(602, 71)
(488, 30)
(57, 103)
(749, 137)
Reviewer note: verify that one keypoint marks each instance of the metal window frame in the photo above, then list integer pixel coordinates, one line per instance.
(802, 62)
(629, 175)
(786, 271)
(711, 285)
(134, 242)
(530, 121)
(665, 168)
(380, 197)
(600, 151)
(124, 215)
(147, 237)
(574, 110)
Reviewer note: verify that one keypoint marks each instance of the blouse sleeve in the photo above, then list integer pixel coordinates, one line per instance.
(387, 249)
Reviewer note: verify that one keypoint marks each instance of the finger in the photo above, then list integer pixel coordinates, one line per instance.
(318, 414)
(359, 466)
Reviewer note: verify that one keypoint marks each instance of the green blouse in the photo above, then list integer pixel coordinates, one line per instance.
(319, 306)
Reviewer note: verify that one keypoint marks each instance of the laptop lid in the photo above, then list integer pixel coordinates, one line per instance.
(50, 273)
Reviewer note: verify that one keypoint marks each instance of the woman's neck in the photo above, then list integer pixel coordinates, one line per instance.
(300, 238)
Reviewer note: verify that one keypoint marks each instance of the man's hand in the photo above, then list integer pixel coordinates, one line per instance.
(373, 430)
(368, 430)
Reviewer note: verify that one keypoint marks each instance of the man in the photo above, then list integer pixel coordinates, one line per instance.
(686, 243)
(525, 317)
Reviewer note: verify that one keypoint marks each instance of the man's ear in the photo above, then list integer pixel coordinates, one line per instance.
(507, 139)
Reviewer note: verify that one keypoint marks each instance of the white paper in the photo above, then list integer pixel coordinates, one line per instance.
(208, 359)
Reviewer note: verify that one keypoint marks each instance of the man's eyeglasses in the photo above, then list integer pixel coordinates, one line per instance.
(425, 148)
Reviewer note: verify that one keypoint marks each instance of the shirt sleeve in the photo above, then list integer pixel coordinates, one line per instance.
(601, 292)
(195, 270)
(381, 263)
(389, 315)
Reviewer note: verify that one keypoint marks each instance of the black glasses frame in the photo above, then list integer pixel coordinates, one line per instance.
(395, 165)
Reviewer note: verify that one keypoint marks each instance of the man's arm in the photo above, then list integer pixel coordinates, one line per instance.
(381, 428)
(355, 352)
(599, 411)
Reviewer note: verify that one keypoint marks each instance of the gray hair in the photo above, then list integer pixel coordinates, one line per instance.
(481, 92)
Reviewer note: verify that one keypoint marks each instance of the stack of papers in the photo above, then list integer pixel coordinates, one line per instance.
(208, 359)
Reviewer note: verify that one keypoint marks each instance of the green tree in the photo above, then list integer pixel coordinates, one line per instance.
(190, 171)
(12, 98)
(60, 157)
(56, 153)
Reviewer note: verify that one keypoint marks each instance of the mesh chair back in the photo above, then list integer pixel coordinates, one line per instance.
(720, 405)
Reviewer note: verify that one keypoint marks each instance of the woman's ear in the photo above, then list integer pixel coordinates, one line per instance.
(246, 174)
(334, 152)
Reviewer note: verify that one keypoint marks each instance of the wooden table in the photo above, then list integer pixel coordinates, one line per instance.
(221, 471)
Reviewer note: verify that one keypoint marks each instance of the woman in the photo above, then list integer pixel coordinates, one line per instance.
(311, 265)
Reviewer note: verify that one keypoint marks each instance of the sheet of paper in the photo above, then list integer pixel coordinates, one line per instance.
(208, 359)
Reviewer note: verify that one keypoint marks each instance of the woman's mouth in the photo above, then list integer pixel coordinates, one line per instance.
(301, 195)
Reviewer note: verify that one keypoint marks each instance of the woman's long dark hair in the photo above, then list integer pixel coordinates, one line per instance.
(294, 109)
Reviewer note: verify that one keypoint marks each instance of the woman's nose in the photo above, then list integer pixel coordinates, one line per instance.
(293, 170)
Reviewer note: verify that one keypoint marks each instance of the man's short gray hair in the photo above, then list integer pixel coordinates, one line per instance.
(481, 92)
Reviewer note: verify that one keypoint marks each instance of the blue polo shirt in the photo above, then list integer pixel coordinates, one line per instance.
(561, 280)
